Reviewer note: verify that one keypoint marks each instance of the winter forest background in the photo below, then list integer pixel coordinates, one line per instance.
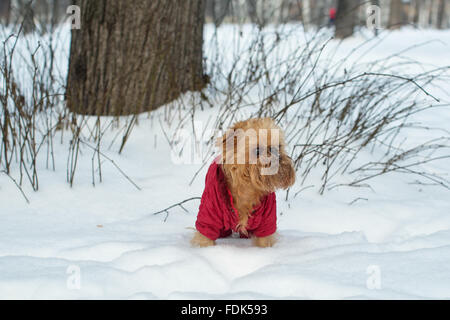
(108, 121)
(418, 13)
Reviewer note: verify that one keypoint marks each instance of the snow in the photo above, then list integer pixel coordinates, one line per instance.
(392, 243)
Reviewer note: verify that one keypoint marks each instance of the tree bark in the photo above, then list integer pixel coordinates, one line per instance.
(134, 56)
(346, 18)
(395, 14)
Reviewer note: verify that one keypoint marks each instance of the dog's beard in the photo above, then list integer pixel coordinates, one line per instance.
(266, 174)
(282, 175)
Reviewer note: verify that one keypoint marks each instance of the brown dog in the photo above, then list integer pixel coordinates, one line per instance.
(239, 193)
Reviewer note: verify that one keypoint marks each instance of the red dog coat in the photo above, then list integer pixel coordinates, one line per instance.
(217, 217)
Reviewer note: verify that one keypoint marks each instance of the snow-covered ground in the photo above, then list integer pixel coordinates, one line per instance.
(104, 241)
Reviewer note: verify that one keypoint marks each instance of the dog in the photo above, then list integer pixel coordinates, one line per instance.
(241, 182)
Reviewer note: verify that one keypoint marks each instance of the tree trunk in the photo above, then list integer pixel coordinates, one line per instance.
(413, 14)
(439, 14)
(26, 16)
(425, 13)
(5, 11)
(218, 10)
(55, 13)
(306, 14)
(346, 18)
(252, 12)
(134, 56)
(395, 14)
(446, 19)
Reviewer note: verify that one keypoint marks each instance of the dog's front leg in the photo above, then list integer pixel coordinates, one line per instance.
(264, 242)
(201, 241)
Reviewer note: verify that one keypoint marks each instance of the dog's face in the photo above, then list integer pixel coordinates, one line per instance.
(253, 152)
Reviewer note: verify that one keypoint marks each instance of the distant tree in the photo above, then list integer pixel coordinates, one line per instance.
(5, 11)
(425, 13)
(26, 13)
(414, 8)
(306, 13)
(55, 12)
(446, 18)
(134, 56)
(217, 10)
(439, 9)
(395, 14)
(283, 16)
(346, 18)
(321, 13)
(252, 11)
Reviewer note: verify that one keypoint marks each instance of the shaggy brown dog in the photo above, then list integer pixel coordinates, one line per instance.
(255, 164)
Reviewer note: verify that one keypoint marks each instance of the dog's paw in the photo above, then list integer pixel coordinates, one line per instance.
(201, 241)
(265, 242)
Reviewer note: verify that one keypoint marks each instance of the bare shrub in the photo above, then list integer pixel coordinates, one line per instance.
(333, 109)
(347, 119)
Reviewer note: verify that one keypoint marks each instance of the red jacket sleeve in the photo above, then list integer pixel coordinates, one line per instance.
(268, 224)
(207, 225)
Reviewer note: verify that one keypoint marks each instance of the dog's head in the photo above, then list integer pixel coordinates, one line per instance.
(253, 153)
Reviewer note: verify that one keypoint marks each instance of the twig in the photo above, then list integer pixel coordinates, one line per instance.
(179, 204)
(17, 185)
(356, 200)
(113, 163)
